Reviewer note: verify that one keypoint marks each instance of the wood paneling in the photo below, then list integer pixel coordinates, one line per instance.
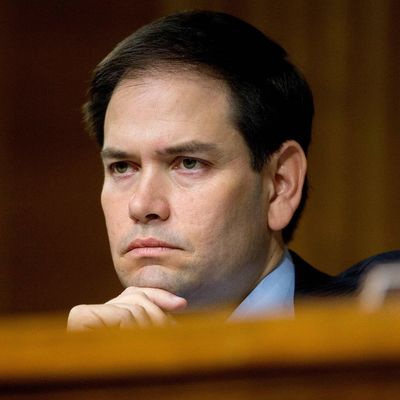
(352, 356)
(53, 246)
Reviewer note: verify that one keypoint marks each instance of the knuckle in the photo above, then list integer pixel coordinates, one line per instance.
(138, 309)
(133, 293)
(126, 314)
(80, 318)
(130, 290)
(80, 309)
(136, 296)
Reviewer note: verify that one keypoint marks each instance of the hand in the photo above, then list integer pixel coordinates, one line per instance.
(133, 307)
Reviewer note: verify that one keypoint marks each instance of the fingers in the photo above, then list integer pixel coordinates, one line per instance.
(163, 299)
(89, 317)
(133, 307)
(144, 314)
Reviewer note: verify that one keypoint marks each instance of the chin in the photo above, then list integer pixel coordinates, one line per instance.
(153, 276)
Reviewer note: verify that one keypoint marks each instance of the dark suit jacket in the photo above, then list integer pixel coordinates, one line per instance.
(309, 282)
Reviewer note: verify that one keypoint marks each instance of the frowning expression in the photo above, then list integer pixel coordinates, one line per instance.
(184, 209)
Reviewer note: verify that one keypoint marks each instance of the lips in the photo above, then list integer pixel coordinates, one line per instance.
(151, 245)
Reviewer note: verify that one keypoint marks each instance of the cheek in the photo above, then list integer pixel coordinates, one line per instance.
(226, 213)
(115, 213)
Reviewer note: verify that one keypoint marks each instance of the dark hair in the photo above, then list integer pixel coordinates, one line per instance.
(271, 101)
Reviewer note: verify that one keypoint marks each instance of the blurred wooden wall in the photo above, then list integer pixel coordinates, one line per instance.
(53, 245)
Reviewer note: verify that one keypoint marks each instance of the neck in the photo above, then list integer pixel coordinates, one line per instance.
(234, 290)
(275, 255)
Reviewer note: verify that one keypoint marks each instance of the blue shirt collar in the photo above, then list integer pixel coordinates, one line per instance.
(273, 296)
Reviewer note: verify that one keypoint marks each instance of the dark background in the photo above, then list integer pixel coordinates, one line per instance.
(53, 245)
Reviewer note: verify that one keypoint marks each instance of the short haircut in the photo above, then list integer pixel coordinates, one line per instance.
(271, 101)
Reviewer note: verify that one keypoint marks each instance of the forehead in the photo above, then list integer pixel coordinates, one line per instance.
(169, 106)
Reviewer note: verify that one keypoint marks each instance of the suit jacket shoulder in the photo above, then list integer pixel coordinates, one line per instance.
(312, 282)
(309, 282)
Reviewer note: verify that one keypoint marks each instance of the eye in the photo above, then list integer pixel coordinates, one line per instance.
(190, 163)
(120, 167)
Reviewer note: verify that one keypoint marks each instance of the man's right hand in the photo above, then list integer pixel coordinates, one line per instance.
(133, 307)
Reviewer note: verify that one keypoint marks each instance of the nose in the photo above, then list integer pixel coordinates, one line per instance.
(148, 202)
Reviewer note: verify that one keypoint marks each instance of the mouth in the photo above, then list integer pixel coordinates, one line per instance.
(150, 247)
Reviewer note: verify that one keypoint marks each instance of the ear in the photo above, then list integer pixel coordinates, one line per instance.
(287, 172)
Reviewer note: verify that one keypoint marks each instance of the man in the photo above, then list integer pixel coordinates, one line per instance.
(204, 127)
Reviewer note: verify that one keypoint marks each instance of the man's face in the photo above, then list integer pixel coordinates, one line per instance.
(184, 209)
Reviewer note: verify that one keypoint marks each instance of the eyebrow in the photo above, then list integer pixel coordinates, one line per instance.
(188, 148)
(111, 152)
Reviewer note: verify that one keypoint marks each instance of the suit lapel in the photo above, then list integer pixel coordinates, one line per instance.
(309, 282)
